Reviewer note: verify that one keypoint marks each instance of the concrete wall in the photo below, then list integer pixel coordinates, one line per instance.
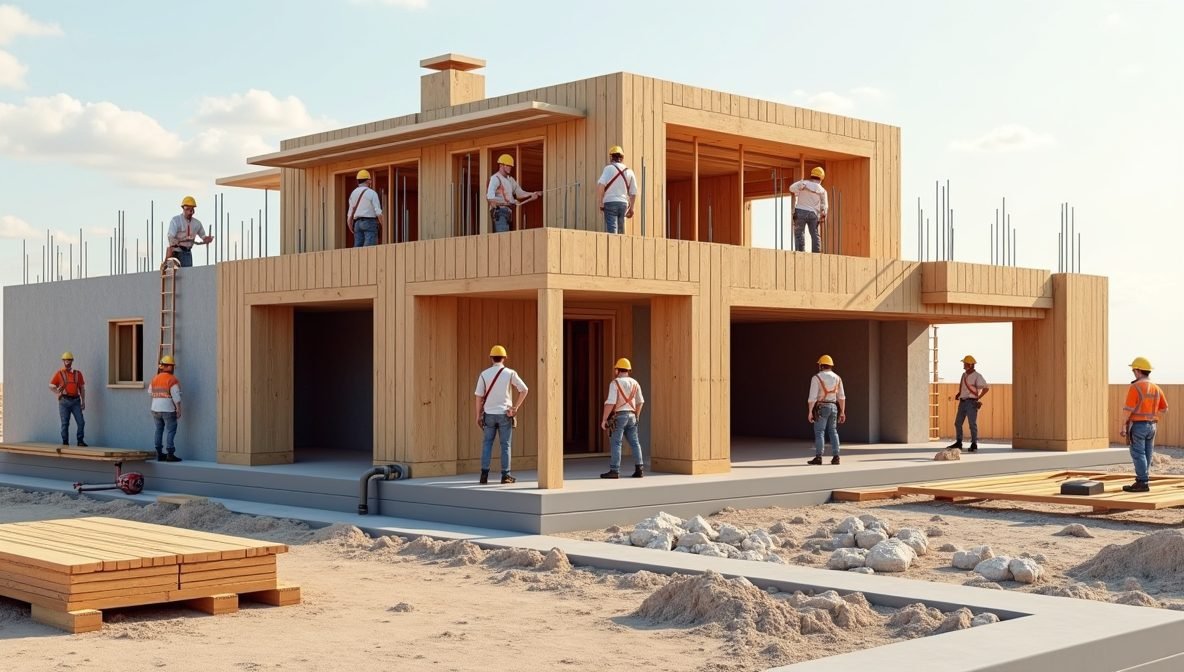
(772, 363)
(42, 320)
(904, 384)
(333, 370)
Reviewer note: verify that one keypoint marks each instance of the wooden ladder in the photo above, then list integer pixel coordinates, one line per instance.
(934, 390)
(168, 308)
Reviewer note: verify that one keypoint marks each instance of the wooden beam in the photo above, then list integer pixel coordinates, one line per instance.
(724, 124)
(550, 388)
(695, 192)
(745, 223)
(326, 295)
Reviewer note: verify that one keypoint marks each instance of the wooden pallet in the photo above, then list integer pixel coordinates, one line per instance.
(865, 494)
(76, 453)
(71, 569)
(1045, 487)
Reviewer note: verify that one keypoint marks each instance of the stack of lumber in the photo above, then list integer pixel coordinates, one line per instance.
(69, 569)
(74, 452)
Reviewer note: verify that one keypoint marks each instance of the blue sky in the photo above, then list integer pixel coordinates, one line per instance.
(110, 106)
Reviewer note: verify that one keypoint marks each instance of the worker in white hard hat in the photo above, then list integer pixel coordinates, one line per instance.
(165, 391)
(616, 191)
(809, 210)
(622, 412)
(497, 411)
(364, 217)
(69, 387)
(504, 193)
(826, 408)
(185, 231)
(1145, 402)
(971, 389)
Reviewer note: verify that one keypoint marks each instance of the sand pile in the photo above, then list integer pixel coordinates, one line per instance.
(1156, 557)
(641, 580)
(734, 605)
(201, 515)
(455, 553)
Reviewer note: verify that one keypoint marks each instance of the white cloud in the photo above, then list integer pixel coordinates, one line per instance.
(838, 103)
(15, 23)
(12, 71)
(1113, 20)
(402, 4)
(1132, 70)
(136, 149)
(15, 228)
(1006, 138)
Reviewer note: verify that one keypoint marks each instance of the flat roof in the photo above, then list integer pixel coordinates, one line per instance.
(269, 178)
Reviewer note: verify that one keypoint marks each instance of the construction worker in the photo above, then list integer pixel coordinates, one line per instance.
(616, 191)
(971, 390)
(504, 193)
(496, 409)
(1145, 401)
(185, 231)
(809, 209)
(166, 408)
(622, 412)
(364, 217)
(826, 408)
(70, 387)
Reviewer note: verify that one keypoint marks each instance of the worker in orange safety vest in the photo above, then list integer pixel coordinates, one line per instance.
(166, 408)
(1145, 401)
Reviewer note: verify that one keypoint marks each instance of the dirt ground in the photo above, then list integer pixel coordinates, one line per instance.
(424, 605)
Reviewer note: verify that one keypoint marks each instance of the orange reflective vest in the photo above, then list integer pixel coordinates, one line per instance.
(1145, 401)
(70, 382)
(162, 385)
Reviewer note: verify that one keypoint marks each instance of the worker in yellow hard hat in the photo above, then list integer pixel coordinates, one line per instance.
(496, 410)
(165, 391)
(1145, 402)
(826, 408)
(809, 210)
(69, 386)
(622, 412)
(185, 231)
(363, 217)
(616, 191)
(504, 193)
(972, 388)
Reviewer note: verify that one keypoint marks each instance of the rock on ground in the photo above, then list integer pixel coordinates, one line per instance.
(994, 569)
(890, 556)
(948, 455)
(915, 538)
(1025, 570)
(850, 525)
(846, 558)
(869, 538)
(970, 558)
(699, 524)
(985, 618)
(1075, 530)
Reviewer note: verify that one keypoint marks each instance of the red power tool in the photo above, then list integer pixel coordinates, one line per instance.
(131, 483)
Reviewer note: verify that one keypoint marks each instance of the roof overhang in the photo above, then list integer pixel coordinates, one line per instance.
(259, 179)
(462, 126)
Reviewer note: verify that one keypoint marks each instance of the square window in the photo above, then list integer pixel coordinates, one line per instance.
(125, 348)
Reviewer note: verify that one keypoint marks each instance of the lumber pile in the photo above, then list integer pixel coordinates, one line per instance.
(71, 569)
(74, 452)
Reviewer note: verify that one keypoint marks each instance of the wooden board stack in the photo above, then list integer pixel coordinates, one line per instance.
(74, 452)
(70, 569)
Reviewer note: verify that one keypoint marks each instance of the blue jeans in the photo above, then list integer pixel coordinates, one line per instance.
(503, 425)
(614, 216)
(967, 410)
(826, 420)
(502, 219)
(1142, 447)
(801, 220)
(71, 406)
(185, 256)
(165, 420)
(365, 231)
(625, 428)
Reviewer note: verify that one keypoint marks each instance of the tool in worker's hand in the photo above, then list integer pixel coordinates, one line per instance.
(131, 483)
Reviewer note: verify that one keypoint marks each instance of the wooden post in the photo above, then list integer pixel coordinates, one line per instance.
(550, 388)
(695, 194)
(484, 225)
(744, 225)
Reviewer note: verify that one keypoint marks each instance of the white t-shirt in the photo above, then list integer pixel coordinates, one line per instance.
(975, 380)
(834, 387)
(631, 390)
(810, 195)
(504, 188)
(620, 181)
(184, 233)
(369, 205)
(498, 401)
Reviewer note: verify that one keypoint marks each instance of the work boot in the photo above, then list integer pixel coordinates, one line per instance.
(1137, 486)
(159, 455)
(638, 472)
(507, 477)
(974, 447)
(956, 444)
(172, 458)
(82, 444)
(65, 443)
(834, 460)
(484, 477)
(817, 460)
(611, 473)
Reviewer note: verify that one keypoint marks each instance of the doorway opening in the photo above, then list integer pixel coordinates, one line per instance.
(333, 386)
(587, 342)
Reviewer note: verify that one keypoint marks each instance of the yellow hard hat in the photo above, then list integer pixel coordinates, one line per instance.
(1141, 364)
(189, 200)
(616, 149)
(497, 351)
(818, 172)
(624, 364)
(168, 359)
(363, 174)
(505, 160)
(968, 359)
(70, 356)
(825, 359)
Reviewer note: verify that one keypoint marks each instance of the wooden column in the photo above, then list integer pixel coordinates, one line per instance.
(268, 383)
(741, 221)
(1059, 369)
(695, 194)
(548, 392)
(434, 406)
(672, 389)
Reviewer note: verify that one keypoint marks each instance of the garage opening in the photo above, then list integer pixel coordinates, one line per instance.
(333, 381)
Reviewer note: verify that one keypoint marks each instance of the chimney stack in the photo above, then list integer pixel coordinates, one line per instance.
(452, 83)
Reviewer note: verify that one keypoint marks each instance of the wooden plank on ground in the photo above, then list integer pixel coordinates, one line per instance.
(865, 494)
